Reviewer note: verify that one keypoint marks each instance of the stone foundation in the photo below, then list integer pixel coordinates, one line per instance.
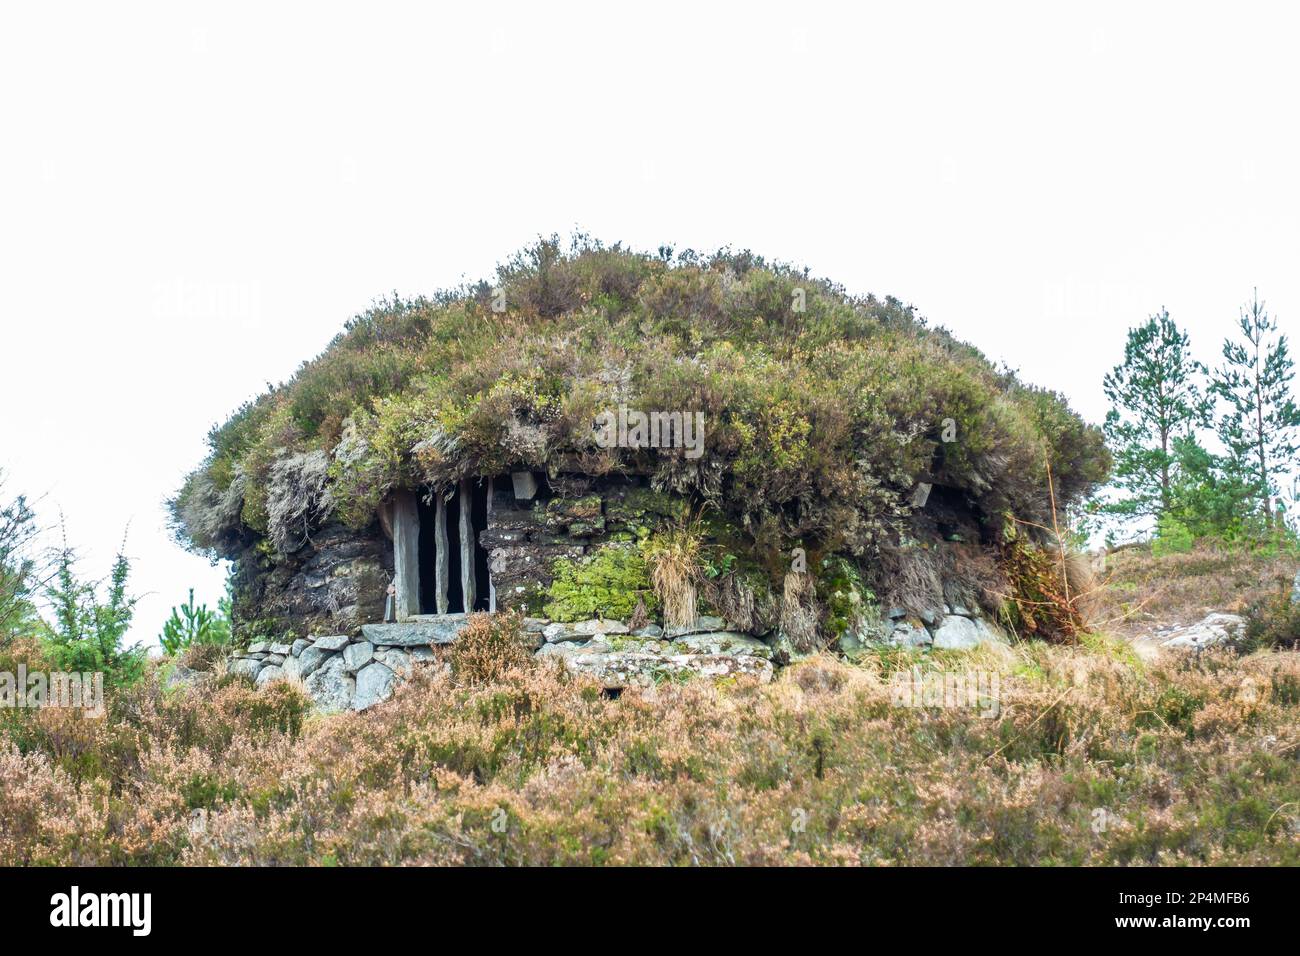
(342, 672)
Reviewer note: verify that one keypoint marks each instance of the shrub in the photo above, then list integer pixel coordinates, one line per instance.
(88, 627)
(1172, 537)
(489, 647)
(1041, 601)
(191, 625)
(1273, 621)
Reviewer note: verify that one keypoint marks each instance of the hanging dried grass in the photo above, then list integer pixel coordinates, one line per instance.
(674, 557)
(799, 612)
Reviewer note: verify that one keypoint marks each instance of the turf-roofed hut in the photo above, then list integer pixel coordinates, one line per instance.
(856, 474)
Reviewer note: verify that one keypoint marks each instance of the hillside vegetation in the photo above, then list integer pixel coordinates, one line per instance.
(1090, 757)
(822, 410)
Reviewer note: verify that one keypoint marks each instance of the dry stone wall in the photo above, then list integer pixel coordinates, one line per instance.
(342, 672)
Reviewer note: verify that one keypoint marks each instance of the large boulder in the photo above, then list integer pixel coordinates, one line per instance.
(374, 684)
(703, 624)
(956, 633)
(909, 632)
(246, 666)
(311, 659)
(357, 656)
(330, 687)
(269, 673)
(331, 642)
(720, 642)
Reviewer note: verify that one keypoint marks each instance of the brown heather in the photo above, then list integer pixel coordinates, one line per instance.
(1191, 761)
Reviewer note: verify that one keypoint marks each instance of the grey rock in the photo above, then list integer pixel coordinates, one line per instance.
(357, 656)
(292, 668)
(374, 684)
(721, 643)
(909, 632)
(617, 669)
(311, 659)
(332, 642)
(931, 617)
(957, 633)
(274, 660)
(582, 630)
(284, 650)
(1295, 589)
(989, 633)
(423, 655)
(268, 674)
(182, 676)
(535, 625)
(782, 648)
(427, 630)
(299, 646)
(870, 631)
(259, 647)
(703, 624)
(650, 630)
(245, 666)
(395, 659)
(1213, 630)
(330, 687)
(524, 484)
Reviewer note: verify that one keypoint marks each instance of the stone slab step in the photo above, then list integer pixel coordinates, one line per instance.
(425, 629)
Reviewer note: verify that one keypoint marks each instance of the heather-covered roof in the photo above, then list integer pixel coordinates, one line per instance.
(823, 410)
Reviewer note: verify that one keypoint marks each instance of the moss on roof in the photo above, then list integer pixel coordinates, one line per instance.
(819, 420)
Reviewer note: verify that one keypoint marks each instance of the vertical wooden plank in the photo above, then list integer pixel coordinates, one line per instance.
(440, 559)
(406, 555)
(467, 544)
(492, 588)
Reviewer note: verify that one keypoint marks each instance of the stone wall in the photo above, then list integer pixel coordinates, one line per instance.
(334, 583)
(567, 517)
(342, 672)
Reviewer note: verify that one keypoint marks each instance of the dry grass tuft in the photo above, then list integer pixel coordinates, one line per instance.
(799, 611)
(674, 556)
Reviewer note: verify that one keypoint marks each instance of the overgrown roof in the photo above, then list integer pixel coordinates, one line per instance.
(820, 420)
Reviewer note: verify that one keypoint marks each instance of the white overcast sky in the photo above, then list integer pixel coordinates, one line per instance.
(194, 201)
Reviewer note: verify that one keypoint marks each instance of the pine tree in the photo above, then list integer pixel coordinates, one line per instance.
(87, 631)
(1155, 399)
(1259, 428)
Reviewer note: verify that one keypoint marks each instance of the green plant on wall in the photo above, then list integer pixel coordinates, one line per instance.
(608, 583)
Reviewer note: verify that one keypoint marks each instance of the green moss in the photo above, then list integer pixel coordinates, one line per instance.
(607, 583)
(641, 510)
(846, 599)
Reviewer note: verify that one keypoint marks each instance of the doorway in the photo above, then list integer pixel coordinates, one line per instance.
(461, 554)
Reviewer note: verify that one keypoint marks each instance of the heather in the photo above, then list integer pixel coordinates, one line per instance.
(1094, 758)
(823, 410)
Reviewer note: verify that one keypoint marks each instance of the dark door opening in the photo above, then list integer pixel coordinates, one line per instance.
(455, 553)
